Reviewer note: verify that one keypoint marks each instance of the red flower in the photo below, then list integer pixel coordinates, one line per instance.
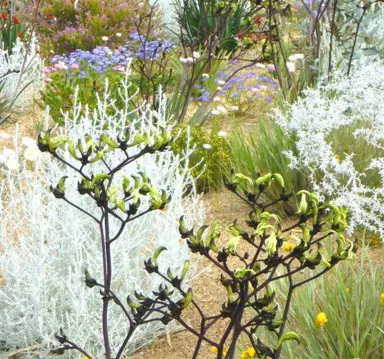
(16, 20)
(5, 16)
(258, 20)
(240, 34)
(19, 35)
(252, 37)
(260, 37)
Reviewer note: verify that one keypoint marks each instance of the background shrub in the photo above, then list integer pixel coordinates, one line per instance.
(211, 159)
(63, 27)
(339, 143)
(224, 20)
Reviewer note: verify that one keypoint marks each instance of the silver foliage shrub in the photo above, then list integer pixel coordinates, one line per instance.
(369, 43)
(322, 120)
(24, 66)
(45, 244)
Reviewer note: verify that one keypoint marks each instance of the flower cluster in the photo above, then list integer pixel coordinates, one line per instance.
(102, 58)
(66, 25)
(249, 81)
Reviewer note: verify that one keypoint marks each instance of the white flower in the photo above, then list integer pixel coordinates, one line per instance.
(9, 158)
(260, 66)
(221, 82)
(207, 146)
(215, 112)
(118, 34)
(222, 109)
(4, 135)
(28, 141)
(222, 134)
(104, 38)
(32, 153)
(12, 163)
(187, 60)
(204, 76)
(234, 108)
(291, 66)
(216, 99)
(219, 88)
(296, 57)
(196, 54)
(254, 89)
(60, 66)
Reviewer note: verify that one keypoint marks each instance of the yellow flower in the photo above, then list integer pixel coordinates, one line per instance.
(320, 320)
(289, 247)
(338, 158)
(381, 300)
(215, 350)
(249, 353)
(347, 290)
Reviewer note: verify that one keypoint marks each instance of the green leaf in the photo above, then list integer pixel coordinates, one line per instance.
(157, 253)
(286, 337)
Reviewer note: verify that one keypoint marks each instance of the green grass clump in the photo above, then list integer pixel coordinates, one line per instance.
(262, 151)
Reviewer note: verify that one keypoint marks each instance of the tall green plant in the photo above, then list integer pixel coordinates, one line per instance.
(202, 19)
(264, 149)
(351, 298)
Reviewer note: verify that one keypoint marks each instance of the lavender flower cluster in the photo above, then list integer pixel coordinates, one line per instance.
(102, 58)
(250, 80)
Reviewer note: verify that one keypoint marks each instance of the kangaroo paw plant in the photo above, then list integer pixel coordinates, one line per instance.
(120, 199)
(252, 259)
(46, 245)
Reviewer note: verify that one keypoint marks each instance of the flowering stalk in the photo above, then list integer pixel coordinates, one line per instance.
(274, 252)
(119, 201)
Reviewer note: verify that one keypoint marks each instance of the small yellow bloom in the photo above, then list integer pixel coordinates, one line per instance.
(381, 300)
(320, 320)
(338, 158)
(249, 353)
(347, 290)
(289, 247)
(215, 350)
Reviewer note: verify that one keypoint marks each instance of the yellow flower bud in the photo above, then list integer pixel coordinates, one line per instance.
(381, 300)
(289, 247)
(249, 353)
(320, 320)
(215, 350)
